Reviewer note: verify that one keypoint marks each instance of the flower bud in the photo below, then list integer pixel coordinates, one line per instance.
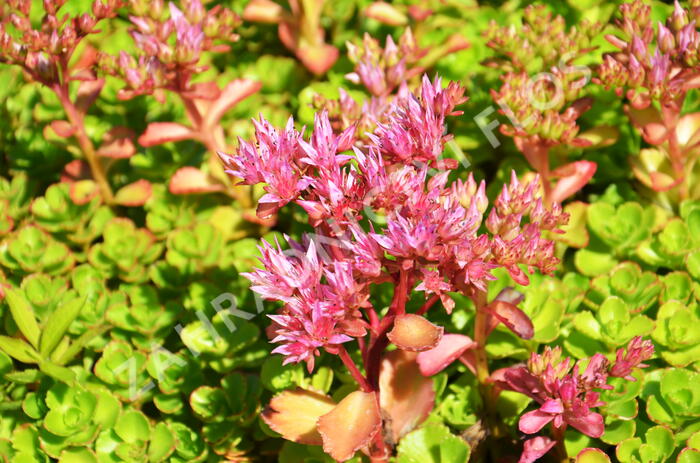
(665, 39)
(679, 18)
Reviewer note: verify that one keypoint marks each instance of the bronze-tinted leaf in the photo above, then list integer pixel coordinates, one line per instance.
(414, 333)
(294, 414)
(405, 395)
(351, 425)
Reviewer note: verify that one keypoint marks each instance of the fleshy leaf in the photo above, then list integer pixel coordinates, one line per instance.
(511, 316)
(572, 177)
(449, 349)
(158, 133)
(134, 194)
(189, 180)
(294, 415)
(351, 425)
(414, 333)
(233, 93)
(406, 395)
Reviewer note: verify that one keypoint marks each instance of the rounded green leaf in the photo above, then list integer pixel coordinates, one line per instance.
(592, 455)
(132, 426)
(432, 444)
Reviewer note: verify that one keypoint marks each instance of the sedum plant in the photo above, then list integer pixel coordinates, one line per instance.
(543, 95)
(428, 241)
(171, 44)
(52, 56)
(655, 69)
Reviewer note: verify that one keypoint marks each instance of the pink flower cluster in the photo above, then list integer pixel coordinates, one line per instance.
(428, 238)
(170, 49)
(384, 72)
(566, 395)
(654, 63)
(45, 52)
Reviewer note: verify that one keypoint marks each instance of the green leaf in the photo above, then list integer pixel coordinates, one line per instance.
(18, 349)
(23, 315)
(132, 426)
(162, 443)
(57, 371)
(591, 455)
(689, 456)
(432, 444)
(58, 323)
(75, 455)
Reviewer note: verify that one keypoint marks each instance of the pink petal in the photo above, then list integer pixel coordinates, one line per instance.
(591, 423)
(552, 406)
(535, 448)
(449, 349)
(532, 422)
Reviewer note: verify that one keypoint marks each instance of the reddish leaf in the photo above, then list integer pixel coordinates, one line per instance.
(204, 91)
(88, 91)
(406, 395)
(263, 11)
(117, 144)
(318, 59)
(294, 415)
(449, 349)
(190, 180)
(511, 316)
(83, 191)
(158, 133)
(233, 93)
(77, 169)
(688, 129)
(134, 194)
(351, 425)
(572, 177)
(414, 333)
(386, 13)
(601, 136)
(63, 129)
(655, 133)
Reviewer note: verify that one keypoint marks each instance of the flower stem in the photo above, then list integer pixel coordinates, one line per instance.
(560, 447)
(354, 371)
(486, 389)
(77, 121)
(428, 304)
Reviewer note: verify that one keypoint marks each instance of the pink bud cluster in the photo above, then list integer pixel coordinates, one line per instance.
(542, 42)
(170, 46)
(45, 52)
(380, 218)
(567, 392)
(543, 110)
(656, 61)
(381, 71)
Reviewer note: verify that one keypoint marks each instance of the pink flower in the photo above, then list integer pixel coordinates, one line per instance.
(565, 396)
(304, 327)
(627, 359)
(415, 125)
(536, 448)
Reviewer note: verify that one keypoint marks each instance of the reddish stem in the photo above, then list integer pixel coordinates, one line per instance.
(77, 121)
(560, 447)
(428, 304)
(354, 371)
